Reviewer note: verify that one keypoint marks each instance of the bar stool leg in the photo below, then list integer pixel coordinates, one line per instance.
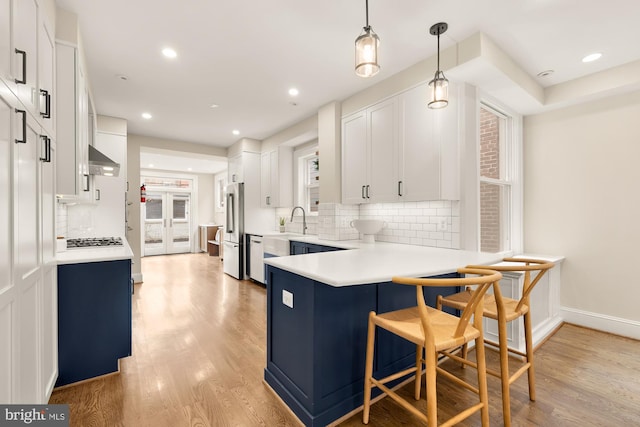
(482, 380)
(432, 395)
(529, 344)
(368, 372)
(504, 371)
(418, 384)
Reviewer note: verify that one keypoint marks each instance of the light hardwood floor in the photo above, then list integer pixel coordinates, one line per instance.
(199, 353)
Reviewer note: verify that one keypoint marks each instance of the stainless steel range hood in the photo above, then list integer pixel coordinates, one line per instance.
(99, 164)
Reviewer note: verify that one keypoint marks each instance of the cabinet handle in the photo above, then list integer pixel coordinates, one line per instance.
(24, 127)
(363, 192)
(97, 194)
(48, 150)
(267, 200)
(399, 188)
(47, 104)
(86, 182)
(24, 67)
(46, 146)
(367, 191)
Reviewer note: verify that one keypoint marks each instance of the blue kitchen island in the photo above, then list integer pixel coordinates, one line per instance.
(317, 312)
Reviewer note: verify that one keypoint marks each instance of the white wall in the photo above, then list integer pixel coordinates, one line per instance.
(206, 198)
(581, 201)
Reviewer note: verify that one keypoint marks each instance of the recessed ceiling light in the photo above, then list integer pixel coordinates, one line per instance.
(592, 57)
(235, 132)
(189, 169)
(146, 116)
(150, 165)
(545, 73)
(169, 53)
(214, 106)
(293, 91)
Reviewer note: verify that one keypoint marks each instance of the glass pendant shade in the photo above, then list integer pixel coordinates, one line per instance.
(367, 53)
(439, 91)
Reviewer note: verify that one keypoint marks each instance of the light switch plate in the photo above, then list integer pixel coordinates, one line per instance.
(287, 298)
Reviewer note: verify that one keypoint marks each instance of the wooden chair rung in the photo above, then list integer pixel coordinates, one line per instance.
(462, 415)
(524, 368)
(395, 376)
(457, 380)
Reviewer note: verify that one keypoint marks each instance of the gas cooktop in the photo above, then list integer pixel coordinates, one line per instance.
(91, 242)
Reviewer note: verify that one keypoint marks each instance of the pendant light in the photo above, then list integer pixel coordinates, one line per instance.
(367, 50)
(439, 86)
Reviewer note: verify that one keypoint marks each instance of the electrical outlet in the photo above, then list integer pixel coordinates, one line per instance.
(287, 298)
(442, 225)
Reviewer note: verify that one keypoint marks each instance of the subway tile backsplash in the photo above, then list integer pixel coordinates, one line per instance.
(432, 223)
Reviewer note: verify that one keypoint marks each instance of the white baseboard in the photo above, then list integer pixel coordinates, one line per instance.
(601, 322)
(137, 277)
(541, 332)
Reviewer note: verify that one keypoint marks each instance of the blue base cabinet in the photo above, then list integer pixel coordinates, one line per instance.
(94, 318)
(316, 350)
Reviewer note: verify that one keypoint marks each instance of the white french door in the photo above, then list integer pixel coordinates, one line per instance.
(167, 223)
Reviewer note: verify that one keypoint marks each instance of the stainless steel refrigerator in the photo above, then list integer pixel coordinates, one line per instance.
(234, 231)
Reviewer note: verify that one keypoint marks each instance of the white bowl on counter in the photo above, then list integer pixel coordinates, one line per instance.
(368, 228)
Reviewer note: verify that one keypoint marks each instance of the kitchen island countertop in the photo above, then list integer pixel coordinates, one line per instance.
(377, 262)
(95, 254)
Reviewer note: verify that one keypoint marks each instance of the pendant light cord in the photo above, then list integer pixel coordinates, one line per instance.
(366, 8)
(438, 69)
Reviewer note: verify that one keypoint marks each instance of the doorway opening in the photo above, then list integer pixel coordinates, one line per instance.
(166, 216)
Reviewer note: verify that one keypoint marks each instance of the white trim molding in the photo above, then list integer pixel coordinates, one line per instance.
(137, 277)
(601, 322)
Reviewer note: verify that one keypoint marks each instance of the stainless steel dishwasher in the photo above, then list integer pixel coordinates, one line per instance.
(256, 271)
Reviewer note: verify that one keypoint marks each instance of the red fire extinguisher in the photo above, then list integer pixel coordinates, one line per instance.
(143, 194)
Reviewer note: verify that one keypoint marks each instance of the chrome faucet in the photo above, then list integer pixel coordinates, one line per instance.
(304, 218)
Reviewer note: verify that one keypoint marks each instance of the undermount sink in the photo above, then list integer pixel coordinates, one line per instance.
(277, 244)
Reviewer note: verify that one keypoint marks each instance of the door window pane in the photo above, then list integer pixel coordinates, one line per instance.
(179, 209)
(154, 207)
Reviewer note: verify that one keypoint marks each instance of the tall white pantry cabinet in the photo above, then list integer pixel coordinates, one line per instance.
(28, 279)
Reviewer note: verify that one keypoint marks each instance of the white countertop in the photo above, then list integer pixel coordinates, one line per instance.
(375, 262)
(93, 254)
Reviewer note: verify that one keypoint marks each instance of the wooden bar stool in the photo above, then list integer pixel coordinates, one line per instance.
(434, 332)
(506, 310)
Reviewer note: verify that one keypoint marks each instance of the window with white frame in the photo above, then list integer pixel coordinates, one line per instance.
(499, 173)
(309, 171)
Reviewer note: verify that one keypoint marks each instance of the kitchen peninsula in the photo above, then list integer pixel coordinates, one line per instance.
(317, 308)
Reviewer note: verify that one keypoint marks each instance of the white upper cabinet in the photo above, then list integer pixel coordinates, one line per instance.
(72, 126)
(369, 154)
(276, 173)
(354, 160)
(400, 150)
(46, 74)
(382, 152)
(5, 40)
(429, 164)
(25, 54)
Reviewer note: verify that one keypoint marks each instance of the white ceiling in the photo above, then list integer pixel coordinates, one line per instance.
(244, 55)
